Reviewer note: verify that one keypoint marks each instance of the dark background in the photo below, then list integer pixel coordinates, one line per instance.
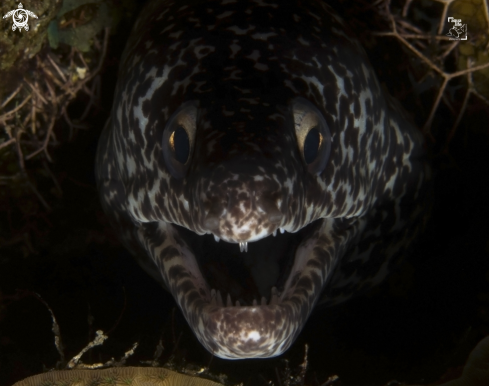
(419, 325)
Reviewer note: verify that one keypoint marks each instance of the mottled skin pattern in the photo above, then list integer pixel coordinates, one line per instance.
(246, 81)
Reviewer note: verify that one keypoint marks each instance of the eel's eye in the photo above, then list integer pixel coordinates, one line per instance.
(179, 138)
(180, 144)
(313, 136)
(312, 144)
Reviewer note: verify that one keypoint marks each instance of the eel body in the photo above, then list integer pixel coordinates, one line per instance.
(254, 166)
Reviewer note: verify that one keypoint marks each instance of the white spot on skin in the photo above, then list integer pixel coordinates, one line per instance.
(168, 28)
(263, 36)
(290, 85)
(227, 113)
(130, 164)
(224, 14)
(138, 109)
(234, 48)
(160, 16)
(245, 91)
(255, 55)
(239, 31)
(176, 35)
(262, 4)
(318, 64)
(234, 73)
(242, 208)
(252, 335)
(302, 41)
(251, 101)
(195, 20)
(261, 67)
(174, 46)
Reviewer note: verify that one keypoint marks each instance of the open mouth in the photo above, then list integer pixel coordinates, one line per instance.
(246, 274)
(246, 300)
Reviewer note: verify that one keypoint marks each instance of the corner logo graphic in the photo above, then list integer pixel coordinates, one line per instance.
(20, 17)
(458, 31)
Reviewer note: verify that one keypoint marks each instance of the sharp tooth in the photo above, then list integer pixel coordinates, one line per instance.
(282, 230)
(246, 246)
(228, 301)
(216, 238)
(263, 301)
(274, 298)
(255, 303)
(243, 247)
(219, 299)
(274, 233)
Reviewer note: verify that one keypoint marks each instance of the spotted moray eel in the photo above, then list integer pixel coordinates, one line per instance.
(234, 119)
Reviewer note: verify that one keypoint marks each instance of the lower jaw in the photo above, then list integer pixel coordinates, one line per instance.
(247, 331)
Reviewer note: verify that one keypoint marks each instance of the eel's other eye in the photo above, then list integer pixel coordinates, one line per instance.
(179, 138)
(313, 135)
(180, 144)
(312, 144)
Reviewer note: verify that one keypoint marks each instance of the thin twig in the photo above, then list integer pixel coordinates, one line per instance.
(405, 9)
(6, 115)
(36, 91)
(58, 70)
(304, 365)
(33, 118)
(19, 150)
(57, 334)
(427, 125)
(446, 4)
(6, 143)
(94, 95)
(470, 90)
(446, 76)
(53, 177)
(330, 380)
(468, 70)
(413, 36)
(39, 196)
(44, 147)
(11, 96)
(99, 340)
(102, 55)
(51, 76)
(450, 48)
(83, 60)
